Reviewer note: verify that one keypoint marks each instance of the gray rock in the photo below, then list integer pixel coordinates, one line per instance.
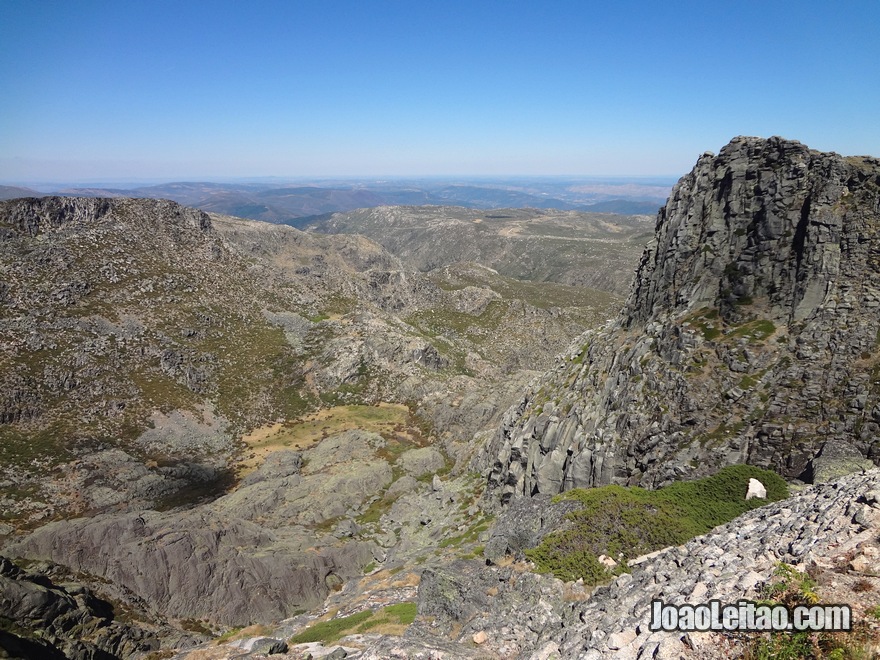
(73, 621)
(269, 646)
(754, 303)
(421, 461)
(203, 564)
(837, 458)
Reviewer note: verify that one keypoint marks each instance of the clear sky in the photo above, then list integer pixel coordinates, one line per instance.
(149, 89)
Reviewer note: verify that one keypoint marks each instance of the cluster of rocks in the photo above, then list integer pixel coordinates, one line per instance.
(75, 624)
(474, 611)
(750, 335)
(292, 532)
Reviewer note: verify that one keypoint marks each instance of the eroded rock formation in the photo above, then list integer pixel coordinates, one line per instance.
(750, 335)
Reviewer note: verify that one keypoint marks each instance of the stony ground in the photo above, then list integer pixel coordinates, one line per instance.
(235, 507)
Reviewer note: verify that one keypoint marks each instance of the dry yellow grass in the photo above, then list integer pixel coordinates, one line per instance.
(408, 580)
(311, 429)
(256, 630)
(396, 629)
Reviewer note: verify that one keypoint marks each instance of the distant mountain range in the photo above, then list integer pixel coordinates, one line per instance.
(281, 203)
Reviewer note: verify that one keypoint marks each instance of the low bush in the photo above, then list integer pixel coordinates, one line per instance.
(624, 523)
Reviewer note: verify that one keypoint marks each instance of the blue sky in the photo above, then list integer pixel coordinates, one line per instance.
(181, 90)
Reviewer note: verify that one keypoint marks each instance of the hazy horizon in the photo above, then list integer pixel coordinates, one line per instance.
(329, 181)
(163, 92)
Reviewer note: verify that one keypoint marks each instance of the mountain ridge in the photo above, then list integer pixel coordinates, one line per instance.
(750, 335)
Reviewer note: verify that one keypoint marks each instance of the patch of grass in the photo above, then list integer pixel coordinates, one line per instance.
(396, 617)
(22, 448)
(404, 612)
(193, 625)
(308, 430)
(330, 631)
(468, 536)
(375, 511)
(229, 634)
(754, 331)
(706, 321)
(475, 553)
(628, 522)
(711, 326)
(721, 432)
(747, 382)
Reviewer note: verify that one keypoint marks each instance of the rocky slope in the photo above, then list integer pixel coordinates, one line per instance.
(750, 336)
(471, 611)
(227, 421)
(468, 609)
(569, 247)
(139, 339)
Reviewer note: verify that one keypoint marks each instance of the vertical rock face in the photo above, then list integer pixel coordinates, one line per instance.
(33, 216)
(765, 219)
(750, 335)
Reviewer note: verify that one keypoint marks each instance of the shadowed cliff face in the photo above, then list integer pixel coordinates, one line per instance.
(750, 335)
(765, 219)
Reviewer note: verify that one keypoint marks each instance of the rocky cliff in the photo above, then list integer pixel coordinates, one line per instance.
(750, 335)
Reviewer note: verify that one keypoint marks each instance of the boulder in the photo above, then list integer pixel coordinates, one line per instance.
(756, 490)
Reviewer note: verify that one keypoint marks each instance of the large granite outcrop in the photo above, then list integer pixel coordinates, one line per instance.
(33, 216)
(750, 335)
(73, 622)
(201, 565)
(830, 530)
(255, 555)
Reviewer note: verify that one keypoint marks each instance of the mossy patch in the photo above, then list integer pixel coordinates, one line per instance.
(627, 522)
(396, 617)
(710, 324)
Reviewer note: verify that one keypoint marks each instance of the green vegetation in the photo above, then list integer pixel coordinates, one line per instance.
(476, 553)
(706, 321)
(330, 631)
(375, 512)
(712, 326)
(747, 382)
(721, 433)
(792, 588)
(400, 614)
(754, 331)
(470, 535)
(624, 523)
(395, 422)
(392, 619)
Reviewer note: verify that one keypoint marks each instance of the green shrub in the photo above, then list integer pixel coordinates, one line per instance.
(624, 523)
(792, 588)
(330, 631)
